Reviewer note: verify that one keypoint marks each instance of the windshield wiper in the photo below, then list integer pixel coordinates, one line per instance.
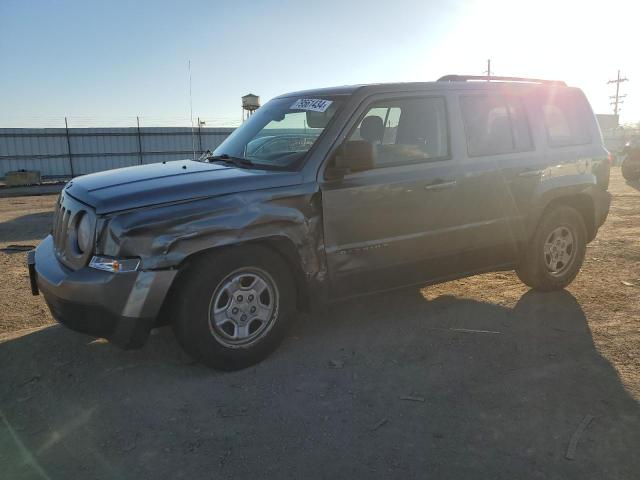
(206, 155)
(228, 159)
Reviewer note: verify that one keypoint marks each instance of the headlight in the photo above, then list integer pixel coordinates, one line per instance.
(115, 265)
(85, 233)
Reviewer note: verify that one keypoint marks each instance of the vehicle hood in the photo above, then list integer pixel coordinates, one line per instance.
(175, 181)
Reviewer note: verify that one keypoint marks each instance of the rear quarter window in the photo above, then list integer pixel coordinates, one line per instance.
(566, 117)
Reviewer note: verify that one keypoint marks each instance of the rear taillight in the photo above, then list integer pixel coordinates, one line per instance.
(611, 157)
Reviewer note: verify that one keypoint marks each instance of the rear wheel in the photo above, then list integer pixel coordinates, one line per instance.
(233, 307)
(553, 257)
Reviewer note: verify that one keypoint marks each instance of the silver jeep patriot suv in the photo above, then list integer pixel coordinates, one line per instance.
(326, 194)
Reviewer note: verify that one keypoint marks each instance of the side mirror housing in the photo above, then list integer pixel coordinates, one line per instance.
(353, 156)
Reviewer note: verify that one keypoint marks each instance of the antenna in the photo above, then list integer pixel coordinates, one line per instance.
(193, 137)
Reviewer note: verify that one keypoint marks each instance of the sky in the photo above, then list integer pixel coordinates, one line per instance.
(106, 62)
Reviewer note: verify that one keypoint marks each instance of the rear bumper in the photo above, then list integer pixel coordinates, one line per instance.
(121, 307)
(601, 203)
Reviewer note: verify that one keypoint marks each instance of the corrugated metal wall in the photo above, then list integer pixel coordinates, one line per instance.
(56, 151)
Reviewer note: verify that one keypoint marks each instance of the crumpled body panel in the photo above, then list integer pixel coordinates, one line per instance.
(164, 236)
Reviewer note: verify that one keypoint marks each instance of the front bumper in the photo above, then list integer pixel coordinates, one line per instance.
(121, 307)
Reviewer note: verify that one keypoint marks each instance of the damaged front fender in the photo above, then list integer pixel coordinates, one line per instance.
(165, 236)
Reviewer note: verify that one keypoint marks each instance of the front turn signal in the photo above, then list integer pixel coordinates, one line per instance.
(115, 265)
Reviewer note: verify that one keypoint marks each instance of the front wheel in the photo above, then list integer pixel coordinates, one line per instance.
(553, 257)
(233, 307)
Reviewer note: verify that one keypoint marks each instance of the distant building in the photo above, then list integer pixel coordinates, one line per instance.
(608, 121)
(615, 136)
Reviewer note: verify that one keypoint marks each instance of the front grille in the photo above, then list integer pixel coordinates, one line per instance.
(60, 226)
(66, 215)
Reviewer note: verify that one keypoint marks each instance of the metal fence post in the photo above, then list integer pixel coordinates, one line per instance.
(66, 128)
(139, 141)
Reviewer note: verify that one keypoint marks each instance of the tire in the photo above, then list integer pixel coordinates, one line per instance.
(219, 300)
(552, 266)
(629, 173)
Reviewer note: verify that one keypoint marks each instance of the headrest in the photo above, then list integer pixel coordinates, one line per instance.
(372, 129)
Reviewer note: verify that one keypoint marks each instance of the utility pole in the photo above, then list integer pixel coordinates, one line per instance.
(488, 71)
(617, 97)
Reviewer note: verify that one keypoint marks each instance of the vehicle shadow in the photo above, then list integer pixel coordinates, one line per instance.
(634, 184)
(389, 386)
(31, 227)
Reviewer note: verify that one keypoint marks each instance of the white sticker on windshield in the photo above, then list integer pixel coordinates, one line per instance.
(311, 104)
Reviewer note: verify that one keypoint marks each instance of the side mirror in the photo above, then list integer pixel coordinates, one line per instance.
(353, 156)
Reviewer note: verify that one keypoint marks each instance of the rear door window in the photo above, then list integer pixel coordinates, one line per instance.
(566, 117)
(495, 124)
(519, 125)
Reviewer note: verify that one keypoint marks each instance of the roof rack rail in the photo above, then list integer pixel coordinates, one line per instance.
(464, 78)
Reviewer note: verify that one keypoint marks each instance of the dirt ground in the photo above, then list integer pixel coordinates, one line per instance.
(477, 378)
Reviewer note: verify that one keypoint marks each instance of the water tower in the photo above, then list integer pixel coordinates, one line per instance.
(250, 103)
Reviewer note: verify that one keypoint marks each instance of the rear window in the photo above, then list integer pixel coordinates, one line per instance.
(566, 117)
(495, 124)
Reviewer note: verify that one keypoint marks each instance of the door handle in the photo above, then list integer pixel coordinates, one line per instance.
(440, 186)
(530, 173)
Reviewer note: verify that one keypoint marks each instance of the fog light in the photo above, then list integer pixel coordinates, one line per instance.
(115, 265)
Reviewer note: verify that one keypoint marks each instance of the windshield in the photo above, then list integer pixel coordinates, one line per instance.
(281, 132)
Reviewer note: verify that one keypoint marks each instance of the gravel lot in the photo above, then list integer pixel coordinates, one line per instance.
(477, 378)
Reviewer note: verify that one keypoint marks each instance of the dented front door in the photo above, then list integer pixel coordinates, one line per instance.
(388, 227)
